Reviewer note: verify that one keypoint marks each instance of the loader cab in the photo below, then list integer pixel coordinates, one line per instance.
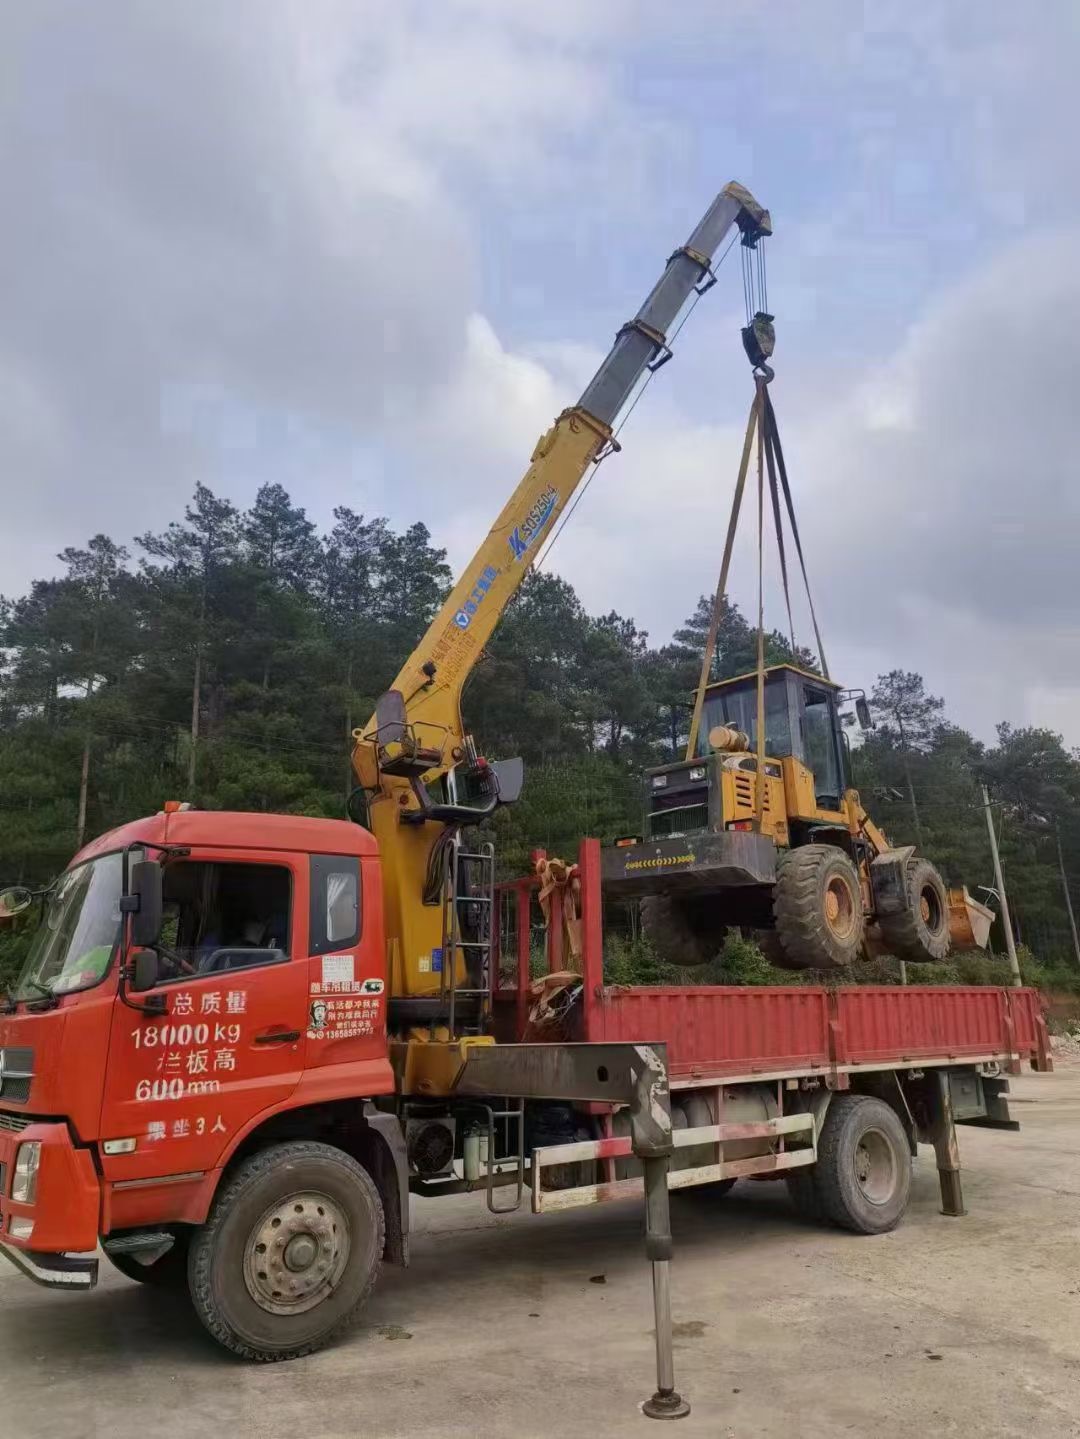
(801, 720)
(801, 723)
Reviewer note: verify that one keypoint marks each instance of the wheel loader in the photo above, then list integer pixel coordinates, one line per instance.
(798, 863)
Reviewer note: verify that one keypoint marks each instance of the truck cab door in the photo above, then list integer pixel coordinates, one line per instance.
(348, 983)
(232, 1044)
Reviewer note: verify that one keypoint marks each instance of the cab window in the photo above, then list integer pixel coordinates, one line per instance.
(819, 738)
(223, 917)
(335, 902)
(737, 708)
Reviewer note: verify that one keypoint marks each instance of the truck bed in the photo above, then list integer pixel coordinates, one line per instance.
(763, 1031)
(731, 1032)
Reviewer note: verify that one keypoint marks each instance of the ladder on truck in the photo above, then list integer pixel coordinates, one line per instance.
(469, 896)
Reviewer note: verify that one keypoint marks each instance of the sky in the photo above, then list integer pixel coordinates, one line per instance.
(370, 249)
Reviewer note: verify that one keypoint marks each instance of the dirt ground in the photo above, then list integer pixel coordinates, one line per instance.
(525, 1326)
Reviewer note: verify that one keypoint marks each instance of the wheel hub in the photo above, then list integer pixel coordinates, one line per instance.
(840, 912)
(875, 1166)
(296, 1253)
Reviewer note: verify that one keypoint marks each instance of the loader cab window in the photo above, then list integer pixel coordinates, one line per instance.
(224, 917)
(820, 746)
(737, 708)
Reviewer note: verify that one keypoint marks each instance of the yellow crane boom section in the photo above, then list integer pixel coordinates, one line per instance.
(430, 682)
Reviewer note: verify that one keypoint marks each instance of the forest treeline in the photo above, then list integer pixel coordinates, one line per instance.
(227, 659)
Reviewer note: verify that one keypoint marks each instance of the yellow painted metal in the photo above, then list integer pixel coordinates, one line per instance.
(559, 462)
(969, 921)
(429, 1065)
(799, 794)
(716, 685)
(738, 796)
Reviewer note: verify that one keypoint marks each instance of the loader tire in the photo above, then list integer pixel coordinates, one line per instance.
(817, 906)
(289, 1253)
(920, 932)
(668, 929)
(768, 941)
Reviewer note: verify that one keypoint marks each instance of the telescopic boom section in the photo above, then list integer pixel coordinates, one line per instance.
(416, 733)
(432, 678)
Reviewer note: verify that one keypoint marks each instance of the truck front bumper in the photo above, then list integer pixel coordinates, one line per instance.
(49, 1237)
(55, 1271)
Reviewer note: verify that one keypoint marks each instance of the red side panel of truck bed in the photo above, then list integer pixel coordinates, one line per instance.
(728, 1032)
(725, 1032)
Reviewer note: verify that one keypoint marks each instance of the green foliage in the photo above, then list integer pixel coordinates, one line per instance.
(15, 941)
(632, 960)
(231, 661)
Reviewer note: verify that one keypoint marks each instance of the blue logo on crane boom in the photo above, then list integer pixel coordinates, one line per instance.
(523, 535)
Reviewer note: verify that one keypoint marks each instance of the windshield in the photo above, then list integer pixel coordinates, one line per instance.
(737, 708)
(79, 931)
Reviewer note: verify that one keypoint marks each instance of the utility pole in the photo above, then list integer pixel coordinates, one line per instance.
(1006, 921)
(1068, 897)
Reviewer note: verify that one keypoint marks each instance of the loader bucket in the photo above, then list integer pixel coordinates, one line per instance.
(969, 921)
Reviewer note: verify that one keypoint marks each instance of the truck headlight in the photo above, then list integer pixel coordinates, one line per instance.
(697, 773)
(24, 1184)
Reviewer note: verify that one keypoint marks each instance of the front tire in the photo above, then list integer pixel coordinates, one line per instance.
(290, 1251)
(666, 926)
(818, 909)
(920, 932)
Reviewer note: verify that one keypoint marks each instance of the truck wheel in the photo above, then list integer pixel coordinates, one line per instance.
(802, 1190)
(863, 1173)
(665, 925)
(289, 1253)
(168, 1272)
(920, 932)
(817, 904)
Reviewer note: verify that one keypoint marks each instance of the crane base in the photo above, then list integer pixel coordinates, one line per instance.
(665, 1406)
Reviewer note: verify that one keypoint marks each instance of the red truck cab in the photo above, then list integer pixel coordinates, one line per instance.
(120, 1111)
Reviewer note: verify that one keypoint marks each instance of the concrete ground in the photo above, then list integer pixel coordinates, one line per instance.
(526, 1326)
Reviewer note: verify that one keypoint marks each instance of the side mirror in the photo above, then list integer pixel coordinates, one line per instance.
(146, 887)
(862, 709)
(145, 970)
(510, 776)
(14, 901)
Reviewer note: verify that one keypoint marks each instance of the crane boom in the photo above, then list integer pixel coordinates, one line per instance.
(421, 733)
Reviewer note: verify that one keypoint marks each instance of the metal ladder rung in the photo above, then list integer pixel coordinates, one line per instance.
(465, 870)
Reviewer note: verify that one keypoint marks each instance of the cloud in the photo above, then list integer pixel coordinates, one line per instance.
(371, 247)
(232, 229)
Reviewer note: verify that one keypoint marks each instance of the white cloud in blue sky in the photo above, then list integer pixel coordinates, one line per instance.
(369, 249)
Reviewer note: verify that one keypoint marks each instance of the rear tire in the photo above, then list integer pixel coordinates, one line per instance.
(289, 1253)
(665, 925)
(817, 904)
(862, 1177)
(802, 1190)
(920, 932)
